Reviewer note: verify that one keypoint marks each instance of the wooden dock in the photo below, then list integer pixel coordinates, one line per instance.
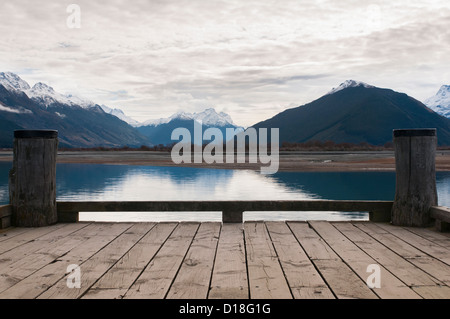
(212, 260)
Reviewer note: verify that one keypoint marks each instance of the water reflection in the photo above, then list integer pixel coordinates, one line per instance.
(120, 182)
(127, 183)
(340, 185)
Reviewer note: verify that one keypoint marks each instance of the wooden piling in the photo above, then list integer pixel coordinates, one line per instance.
(32, 179)
(415, 152)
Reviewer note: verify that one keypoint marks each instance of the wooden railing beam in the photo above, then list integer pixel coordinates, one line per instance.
(231, 210)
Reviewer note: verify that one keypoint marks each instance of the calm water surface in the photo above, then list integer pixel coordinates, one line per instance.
(136, 183)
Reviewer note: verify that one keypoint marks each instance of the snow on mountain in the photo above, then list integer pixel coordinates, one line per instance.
(13, 82)
(211, 117)
(120, 114)
(180, 115)
(347, 84)
(440, 103)
(48, 96)
(208, 117)
(76, 100)
(41, 92)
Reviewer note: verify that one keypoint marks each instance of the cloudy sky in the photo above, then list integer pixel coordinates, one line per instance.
(251, 59)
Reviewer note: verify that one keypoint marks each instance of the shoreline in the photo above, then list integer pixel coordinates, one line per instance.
(295, 161)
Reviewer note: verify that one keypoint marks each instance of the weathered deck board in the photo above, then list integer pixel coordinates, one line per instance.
(433, 292)
(401, 268)
(389, 240)
(437, 238)
(358, 260)
(407, 272)
(266, 278)
(116, 281)
(25, 237)
(229, 278)
(19, 263)
(6, 234)
(427, 246)
(312, 243)
(430, 265)
(194, 276)
(157, 277)
(341, 279)
(315, 259)
(98, 264)
(38, 282)
(303, 279)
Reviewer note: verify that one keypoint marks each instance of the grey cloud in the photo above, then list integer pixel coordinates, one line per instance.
(252, 55)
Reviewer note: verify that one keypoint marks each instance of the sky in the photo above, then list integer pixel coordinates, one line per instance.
(251, 59)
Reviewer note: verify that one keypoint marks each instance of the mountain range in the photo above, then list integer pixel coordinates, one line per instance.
(83, 123)
(353, 112)
(356, 112)
(80, 123)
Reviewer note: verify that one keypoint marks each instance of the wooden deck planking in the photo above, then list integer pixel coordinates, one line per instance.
(229, 278)
(7, 233)
(98, 264)
(266, 278)
(30, 256)
(441, 239)
(425, 245)
(117, 280)
(407, 272)
(190, 260)
(430, 265)
(17, 249)
(38, 282)
(304, 280)
(341, 279)
(194, 277)
(398, 266)
(389, 240)
(157, 277)
(358, 260)
(26, 237)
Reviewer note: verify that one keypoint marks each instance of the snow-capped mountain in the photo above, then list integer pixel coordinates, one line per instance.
(348, 84)
(208, 117)
(41, 92)
(356, 113)
(440, 103)
(179, 115)
(83, 123)
(121, 115)
(80, 123)
(13, 82)
(46, 95)
(211, 117)
(159, 131)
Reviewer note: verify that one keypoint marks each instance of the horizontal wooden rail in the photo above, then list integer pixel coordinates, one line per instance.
(5, 216)
(231, 210)
(441, 215)
(379, 211)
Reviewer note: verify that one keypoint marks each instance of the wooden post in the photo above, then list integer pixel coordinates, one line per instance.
(32, 179)
(232, 216)
(415, 153)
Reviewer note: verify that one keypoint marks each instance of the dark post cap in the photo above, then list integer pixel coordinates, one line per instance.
(415, 132)
(35, 134)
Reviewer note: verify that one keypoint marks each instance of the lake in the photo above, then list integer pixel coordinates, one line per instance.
(99, 182)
